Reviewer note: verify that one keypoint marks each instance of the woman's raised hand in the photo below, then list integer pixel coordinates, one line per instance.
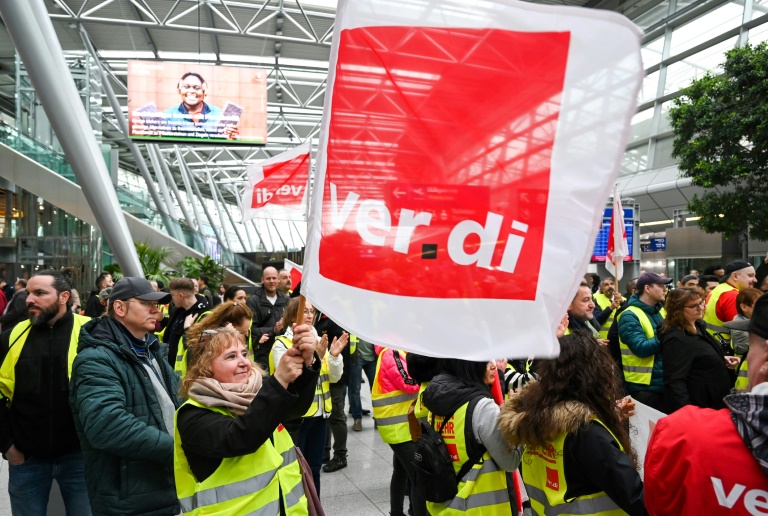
(338, 344)
(305, 342)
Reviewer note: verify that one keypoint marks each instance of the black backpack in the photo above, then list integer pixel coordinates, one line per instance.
(433, 465)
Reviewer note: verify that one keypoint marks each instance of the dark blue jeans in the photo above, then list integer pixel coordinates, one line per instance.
(312, 445)
(29, 485)
(357, 366)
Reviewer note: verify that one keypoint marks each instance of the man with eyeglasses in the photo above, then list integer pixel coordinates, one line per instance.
(123, 398)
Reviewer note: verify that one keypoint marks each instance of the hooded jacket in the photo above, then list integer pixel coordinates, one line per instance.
(633, 335)
(593, 461)
(721, 468)
(127, 449)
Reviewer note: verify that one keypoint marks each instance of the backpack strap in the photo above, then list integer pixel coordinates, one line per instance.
(471, 461)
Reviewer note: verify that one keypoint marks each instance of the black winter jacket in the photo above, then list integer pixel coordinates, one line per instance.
(174, 330)
(128, 451)
(694, 369)
(207, 437)
(265, 317)
(39, 422)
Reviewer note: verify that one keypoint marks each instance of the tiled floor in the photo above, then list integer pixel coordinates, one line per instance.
(360, 489)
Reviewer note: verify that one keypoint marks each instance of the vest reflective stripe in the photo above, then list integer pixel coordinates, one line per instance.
(742, 381)
(17, 340)
(715, 325)
(390, 409)
(323, 388)
(482, 490)
(243, 485)
(353, 340)
(181, 353)
(544, 477)
(637, 369)
(604, 302)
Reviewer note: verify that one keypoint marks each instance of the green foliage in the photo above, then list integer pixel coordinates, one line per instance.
(153, 261)
(114, 270)
(721, 142)
(192, 267)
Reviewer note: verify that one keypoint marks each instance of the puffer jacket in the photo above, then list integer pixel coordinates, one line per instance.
(128, 452)
(631, 333)
(388, 376)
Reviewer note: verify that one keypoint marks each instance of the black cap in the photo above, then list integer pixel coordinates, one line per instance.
(734, 266)
(651, 278)
(137, 288)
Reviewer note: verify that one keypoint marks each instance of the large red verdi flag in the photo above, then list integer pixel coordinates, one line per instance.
(277, 187)
(465, 156)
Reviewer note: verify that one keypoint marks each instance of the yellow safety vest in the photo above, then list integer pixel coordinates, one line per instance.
(181, 353)
(483, 490)
(636, 369)
(419, 410)
(742, 380)
(17, 340)
(544, 477)
(249, 484)
(323, 388)
(604, 302)
(390, 409)
(715, 325)
(353, 343)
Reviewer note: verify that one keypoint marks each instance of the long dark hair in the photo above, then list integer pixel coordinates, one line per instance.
(470, 372)
(583, 373)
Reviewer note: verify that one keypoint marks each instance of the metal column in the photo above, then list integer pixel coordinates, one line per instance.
(175, 188)
(212, 186)
(35, 38)
(188, 189)
(191, 179)
(173, 227)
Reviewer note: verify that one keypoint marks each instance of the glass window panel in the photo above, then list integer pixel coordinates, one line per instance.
(650, 17)
(635, 160)
(665, 124)
(641, 125)
(706, 27)
(759, 8)
(680, 74)
(758, 34)
(663, 155)
(650, 85)
(651, 52)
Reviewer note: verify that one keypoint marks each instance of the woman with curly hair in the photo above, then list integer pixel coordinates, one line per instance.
(578, 458)
(232, 455)
(695, 366)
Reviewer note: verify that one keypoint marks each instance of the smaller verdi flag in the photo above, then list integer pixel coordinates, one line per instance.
(295, 270)
(277, 187)
(617, 239)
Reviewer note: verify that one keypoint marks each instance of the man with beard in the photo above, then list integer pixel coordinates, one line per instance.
(37, 431)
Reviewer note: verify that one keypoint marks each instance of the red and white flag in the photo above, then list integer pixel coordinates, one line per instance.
(277, 187)
(295, 270)
(618, 249)
(465, 152)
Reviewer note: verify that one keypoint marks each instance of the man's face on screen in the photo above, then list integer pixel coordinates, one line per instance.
(192, 91)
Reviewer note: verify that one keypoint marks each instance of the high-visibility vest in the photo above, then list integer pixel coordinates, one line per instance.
(419, 410)
(390, 409)
(742, 380)
(249, 484)
(180, 366)
(482, 491)
(604, 302)
(353, 343)
(715, 325)
(636, 369)
(17, 340)
(544, 477)
(323, 388)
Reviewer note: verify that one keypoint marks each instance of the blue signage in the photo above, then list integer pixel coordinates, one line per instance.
(658, 244)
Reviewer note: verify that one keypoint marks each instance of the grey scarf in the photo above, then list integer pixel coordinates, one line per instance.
(749, 412)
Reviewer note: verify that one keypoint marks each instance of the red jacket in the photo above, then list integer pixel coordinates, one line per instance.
(697, 463)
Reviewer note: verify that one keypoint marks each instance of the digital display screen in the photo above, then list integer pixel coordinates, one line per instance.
(601, 243)
(189, 102)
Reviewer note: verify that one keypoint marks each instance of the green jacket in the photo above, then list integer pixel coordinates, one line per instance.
(128, 452)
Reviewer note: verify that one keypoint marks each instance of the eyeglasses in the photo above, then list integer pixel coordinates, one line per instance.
(697, 305)
(310, 312)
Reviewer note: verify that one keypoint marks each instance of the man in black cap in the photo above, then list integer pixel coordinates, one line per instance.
(721, 302)
(123, 398)
(640, 347)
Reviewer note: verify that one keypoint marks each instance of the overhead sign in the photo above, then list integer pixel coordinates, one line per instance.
(462, 152)
(601, 242)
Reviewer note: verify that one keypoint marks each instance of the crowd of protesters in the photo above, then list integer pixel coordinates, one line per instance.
(218, 399)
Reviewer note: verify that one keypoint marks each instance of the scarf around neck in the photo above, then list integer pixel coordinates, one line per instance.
(749, 412)
(236, 397)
